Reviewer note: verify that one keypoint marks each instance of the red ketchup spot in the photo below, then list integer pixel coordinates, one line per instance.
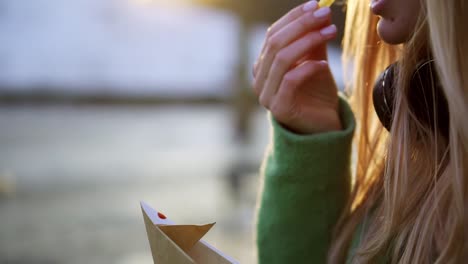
(161, 216)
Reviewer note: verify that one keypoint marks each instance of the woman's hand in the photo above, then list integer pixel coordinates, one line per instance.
(292, 77)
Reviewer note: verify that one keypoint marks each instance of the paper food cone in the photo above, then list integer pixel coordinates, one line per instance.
(185, 236)
(179, 244)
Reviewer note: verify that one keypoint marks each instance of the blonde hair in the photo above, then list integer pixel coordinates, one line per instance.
(410, 185)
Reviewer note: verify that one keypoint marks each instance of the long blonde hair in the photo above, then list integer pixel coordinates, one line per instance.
(410, 185)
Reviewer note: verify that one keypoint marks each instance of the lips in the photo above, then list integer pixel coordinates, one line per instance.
(377, 6)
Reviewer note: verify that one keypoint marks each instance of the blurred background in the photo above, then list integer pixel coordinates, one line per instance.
(104, 103)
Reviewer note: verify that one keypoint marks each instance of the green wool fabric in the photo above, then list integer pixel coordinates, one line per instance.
(306, 181)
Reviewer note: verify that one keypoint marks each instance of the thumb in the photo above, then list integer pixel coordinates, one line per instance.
(319, 54)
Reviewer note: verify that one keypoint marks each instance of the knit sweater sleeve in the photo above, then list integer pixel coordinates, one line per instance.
(305, 184)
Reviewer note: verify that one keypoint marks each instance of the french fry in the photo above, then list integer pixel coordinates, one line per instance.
(323, 3)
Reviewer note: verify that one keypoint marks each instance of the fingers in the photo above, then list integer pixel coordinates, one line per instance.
(291, 16)
(282, 105)
(307, 22)
(285, 20)
(295, 29)
(298, 76)
(287, 57)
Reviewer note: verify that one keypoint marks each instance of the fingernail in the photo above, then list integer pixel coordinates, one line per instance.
(322, 12)
(310, 6)
(330, 30)
(323, 62)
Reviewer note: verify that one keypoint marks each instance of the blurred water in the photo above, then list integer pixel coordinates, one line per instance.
(77, 174)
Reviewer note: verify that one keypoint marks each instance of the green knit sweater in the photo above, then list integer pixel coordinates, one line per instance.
(306, 181)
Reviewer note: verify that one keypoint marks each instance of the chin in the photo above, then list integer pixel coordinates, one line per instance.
(390, 32)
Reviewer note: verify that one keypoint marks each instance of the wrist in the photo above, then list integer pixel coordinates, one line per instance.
(326, 123)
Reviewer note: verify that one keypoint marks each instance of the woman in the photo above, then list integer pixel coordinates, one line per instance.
(407, 202)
